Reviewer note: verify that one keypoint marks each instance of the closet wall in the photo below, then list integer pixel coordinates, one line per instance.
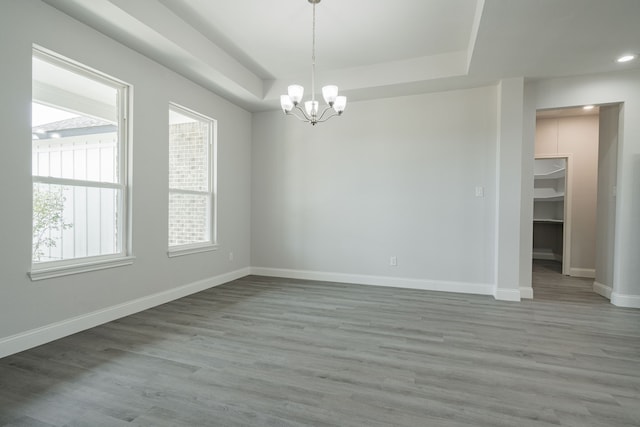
(576, 137)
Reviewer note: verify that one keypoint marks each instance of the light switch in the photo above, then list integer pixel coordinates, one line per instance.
(479, 191)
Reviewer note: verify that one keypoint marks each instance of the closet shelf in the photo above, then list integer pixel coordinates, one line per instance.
(547, 195)
(552, 174)
(548, 220)
(557, 198)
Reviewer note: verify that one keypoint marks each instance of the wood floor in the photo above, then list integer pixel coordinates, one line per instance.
(278, 352)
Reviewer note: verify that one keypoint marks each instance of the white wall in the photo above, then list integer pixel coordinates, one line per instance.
(509, 181)
(392, 177)
(526, 192)
(33, 312)
(621, 87)
(606, 208)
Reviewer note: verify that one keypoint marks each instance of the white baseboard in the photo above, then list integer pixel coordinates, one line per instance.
(507, 294)
(35, 337)
(603, 290)
(526, 292)
(623, 300)
(617, 299)
(546, 255)
(396, 282)
(589, 273)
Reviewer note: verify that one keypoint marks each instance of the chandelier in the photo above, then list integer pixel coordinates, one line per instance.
(310, 113)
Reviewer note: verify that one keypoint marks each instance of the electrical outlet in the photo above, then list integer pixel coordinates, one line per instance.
(230, 256)
(479, 191)
(393, 261)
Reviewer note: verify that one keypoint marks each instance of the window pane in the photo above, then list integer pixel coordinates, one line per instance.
(191, 148)
(188, 152)
(87, 154)
(75, 222)
(188, 218)
(73, 116)
(86, 93)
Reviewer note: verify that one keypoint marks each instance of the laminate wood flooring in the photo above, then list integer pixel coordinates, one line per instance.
(550, 285)
(280, 352)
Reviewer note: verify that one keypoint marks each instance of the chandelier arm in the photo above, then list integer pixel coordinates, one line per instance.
(321, 120)
(304, 117)
(304, 113)
(325, 112)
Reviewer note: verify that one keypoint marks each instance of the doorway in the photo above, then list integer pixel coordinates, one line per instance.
(574, 210)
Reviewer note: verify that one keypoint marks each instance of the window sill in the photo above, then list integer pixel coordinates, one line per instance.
(191, 249)
(80, 267)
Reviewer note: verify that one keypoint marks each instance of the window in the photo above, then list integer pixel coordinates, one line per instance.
(191, 181)
(79, 169)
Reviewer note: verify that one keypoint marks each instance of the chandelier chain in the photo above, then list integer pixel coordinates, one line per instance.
(313, 56)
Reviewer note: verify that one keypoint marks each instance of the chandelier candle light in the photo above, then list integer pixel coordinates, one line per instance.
(310, 113)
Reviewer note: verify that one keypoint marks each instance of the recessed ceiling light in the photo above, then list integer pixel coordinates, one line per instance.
(626, 58)
(588, 107)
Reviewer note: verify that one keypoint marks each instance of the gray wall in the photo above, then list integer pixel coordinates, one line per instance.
(393, 177)
(25, 305)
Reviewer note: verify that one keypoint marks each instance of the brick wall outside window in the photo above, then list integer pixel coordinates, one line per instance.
(189, 170)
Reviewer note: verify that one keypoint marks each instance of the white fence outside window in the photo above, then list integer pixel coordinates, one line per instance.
(77, 168)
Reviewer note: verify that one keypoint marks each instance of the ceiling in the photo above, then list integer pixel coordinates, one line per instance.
(249, 51)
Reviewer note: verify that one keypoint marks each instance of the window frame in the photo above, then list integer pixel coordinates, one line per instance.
(212, 217)
(57, 268)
